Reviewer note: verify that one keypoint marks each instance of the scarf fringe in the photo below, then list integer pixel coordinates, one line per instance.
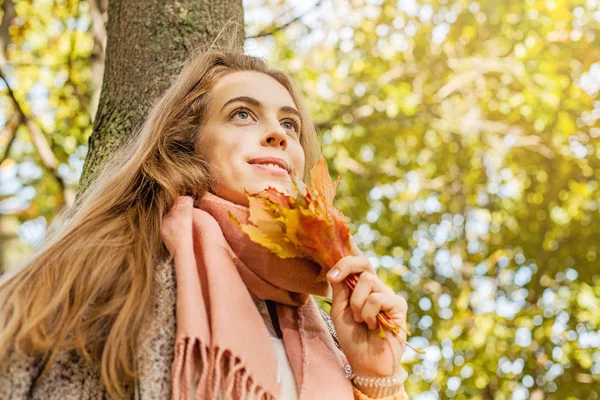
(212, 371)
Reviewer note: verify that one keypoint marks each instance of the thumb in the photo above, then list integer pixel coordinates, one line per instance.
(340, 294)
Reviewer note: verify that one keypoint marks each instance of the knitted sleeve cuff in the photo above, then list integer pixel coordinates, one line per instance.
(400, 394)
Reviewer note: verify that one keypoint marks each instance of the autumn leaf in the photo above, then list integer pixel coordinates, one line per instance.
(306, 224)
(321, 181)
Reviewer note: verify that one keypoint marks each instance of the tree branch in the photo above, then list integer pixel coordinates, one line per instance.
(328, 123)
(38, 138)
(10, 127)
(99, 18)
(476, 67)
(467, 127)
(274, 29)
(98, 25)
(9, 13)
(70, 67)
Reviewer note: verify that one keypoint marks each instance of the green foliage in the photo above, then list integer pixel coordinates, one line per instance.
(48, 60)
(468, 138)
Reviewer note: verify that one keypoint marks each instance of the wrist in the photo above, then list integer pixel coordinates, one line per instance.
(377, 386)
(381, 392)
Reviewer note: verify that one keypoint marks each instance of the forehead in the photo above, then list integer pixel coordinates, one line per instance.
(261, 86)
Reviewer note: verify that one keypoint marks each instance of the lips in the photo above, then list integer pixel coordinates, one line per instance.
(270, 160)
(271, 170)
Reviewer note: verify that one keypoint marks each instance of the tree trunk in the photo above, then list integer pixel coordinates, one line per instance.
(148, 42)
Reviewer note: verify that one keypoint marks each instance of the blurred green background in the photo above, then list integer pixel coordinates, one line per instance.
(468, 138)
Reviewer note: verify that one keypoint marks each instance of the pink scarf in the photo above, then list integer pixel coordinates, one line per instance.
(222, 343)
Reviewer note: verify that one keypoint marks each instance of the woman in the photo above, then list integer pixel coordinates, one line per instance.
(134, 291)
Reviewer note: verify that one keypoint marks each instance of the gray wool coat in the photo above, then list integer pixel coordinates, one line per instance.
(72, 378)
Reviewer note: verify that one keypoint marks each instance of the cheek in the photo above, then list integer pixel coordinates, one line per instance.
(221, 153)
(299, 160)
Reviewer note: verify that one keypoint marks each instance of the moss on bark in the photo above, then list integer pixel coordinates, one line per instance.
(148, 42)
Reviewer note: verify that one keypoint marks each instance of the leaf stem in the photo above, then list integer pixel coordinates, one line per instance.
(384, 321)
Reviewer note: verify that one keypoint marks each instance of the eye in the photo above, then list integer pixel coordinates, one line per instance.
(241, 113)
(290, 125)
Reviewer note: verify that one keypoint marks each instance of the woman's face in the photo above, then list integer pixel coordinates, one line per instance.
(251, 121)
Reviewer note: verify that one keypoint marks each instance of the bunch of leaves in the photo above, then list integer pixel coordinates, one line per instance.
(305, 224)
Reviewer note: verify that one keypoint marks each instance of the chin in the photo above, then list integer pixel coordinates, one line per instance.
(239, 197)
(279, 186)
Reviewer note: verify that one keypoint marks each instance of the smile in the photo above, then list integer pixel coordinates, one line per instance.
(272, 169)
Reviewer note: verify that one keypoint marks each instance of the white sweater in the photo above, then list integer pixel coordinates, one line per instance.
(285, 375)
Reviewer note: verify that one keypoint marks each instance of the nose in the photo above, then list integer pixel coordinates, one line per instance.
(275, 136)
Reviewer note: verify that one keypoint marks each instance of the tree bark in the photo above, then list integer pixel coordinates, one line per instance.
(148, 42)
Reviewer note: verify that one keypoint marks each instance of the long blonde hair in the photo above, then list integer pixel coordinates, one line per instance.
(88, 287)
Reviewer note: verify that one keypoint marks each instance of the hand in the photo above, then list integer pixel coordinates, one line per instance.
(178, 219)
(355, 318)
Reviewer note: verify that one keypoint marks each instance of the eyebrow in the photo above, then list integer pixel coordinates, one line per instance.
(254, 102)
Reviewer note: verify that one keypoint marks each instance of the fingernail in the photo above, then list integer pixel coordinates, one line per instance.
(334, 273)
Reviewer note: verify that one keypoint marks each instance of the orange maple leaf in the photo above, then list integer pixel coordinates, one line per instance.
(306, 224)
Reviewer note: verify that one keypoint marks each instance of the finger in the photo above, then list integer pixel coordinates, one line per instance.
(363, 288)
(371, 309)
(181, 208)
(377, 302)
(344, 267)
(177, 219)
(349, 265)
(340, 293)
(378, 285)
(367, 283)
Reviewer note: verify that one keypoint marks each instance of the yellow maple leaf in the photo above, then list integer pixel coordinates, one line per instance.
(306, 224)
